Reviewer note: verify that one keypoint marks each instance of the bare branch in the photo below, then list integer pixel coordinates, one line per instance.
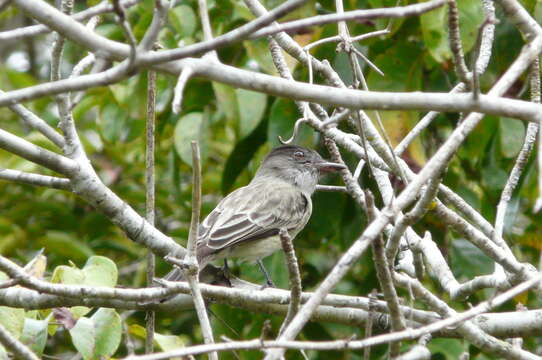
(35, 179)
(455, 43)
(191, 269)
(379, 339)
(20, 350)
(34, 30)
(36, 154)
(294, 276)
(150, 196)
(158, 20)
(186, 73)
(394, 12)
(35, 122)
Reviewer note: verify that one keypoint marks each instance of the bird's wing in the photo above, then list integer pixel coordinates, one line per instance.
(254, 212)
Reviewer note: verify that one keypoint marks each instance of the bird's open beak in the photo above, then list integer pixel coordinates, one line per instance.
(327, 166)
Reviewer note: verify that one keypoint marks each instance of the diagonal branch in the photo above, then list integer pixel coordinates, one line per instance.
(36, 154)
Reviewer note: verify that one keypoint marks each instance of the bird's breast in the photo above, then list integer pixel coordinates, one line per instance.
(253, 250)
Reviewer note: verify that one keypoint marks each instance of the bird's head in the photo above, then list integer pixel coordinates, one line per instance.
(297, 165)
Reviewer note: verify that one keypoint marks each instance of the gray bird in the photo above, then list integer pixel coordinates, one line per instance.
(246, 223)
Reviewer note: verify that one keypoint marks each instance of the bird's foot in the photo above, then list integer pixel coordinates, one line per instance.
(268, 284)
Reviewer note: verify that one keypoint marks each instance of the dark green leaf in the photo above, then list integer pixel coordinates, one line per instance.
(251, 107)
(190, 127)
(282, 118)
(241, 155)
(512, 133)
(35, 335)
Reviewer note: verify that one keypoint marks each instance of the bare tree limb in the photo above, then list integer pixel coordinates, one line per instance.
(35, 179)
(20, 350)
(394, 12)
(150, 196)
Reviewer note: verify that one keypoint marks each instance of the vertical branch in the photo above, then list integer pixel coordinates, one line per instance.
(58, 46)
(191, 263)
(521, 161)
(369, 323)
(206, 24)
(294, 276)
(196, 203)
(383, 272)
(72, 147)
(343, 29)
(455, 43)
(149, 196)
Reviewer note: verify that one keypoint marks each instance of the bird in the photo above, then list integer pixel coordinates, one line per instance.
(246, 223)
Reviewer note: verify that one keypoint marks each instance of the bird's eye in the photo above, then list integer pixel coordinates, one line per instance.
(299, 155)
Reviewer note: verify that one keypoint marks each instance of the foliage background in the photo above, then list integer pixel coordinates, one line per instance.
(236, 128)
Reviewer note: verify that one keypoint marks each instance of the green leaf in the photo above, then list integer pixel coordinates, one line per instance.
(13, 320)
(3, 353)
(65, 244)
(282, 118)
(494, 178)
(71, 275)
(107, 324)
(276, 263)
(169, 342)
(450, 348)
(190, 127)
(435, 33)
(68, 275)
(35, 335)
(98, 336)
(241, 155)
(469, 261)
(165, 342)
(512, 136)
(137, 330)
(100, 271)
(83, 337)
(258, 50)
(164, 92)
(251, 109)
(227, 100)
(538, 11)
(113, 123)
(183, 20)
(471, 16)
(403, 73)
(122, 92)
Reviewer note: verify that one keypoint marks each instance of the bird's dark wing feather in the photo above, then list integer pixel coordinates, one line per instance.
(253, 212)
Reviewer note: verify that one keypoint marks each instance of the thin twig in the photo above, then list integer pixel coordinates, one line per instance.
(35, 122)
(35, 179)
(394, 12)
(34, 30)
(475, 84)
(458, 56)
(185, 75)
(294, 276)
(206, 24)
(158, 20)
(190, 262)
(383, 272)
(150, 196)
(331, 188)
(369, 323)
(18, 349)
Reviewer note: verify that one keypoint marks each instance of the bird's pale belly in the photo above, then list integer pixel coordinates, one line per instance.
(253, 250)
